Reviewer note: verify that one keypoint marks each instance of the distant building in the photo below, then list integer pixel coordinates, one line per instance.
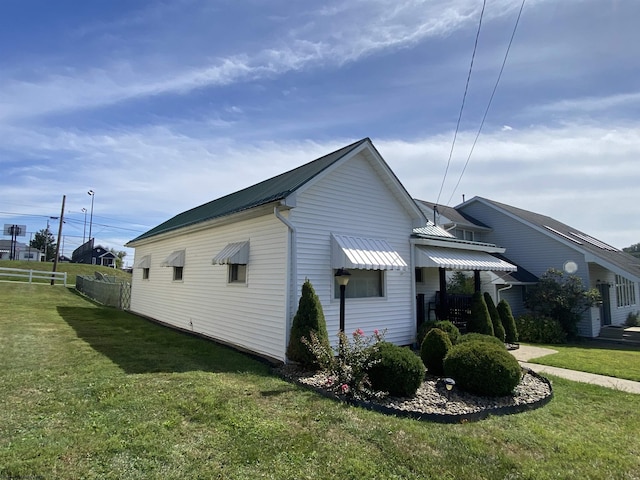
(87, 253)
(22, 252)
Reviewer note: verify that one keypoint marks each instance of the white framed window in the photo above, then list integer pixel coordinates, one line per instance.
(362, 284)
(177, 274)
(625, 292)
(145, 273)
(237, 273)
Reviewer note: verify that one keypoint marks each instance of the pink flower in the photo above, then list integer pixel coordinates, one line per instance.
(359, 332)
(375, 332)
(344, 387)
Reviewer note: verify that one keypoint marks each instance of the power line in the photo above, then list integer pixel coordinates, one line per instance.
(495, 87)
(466, 87)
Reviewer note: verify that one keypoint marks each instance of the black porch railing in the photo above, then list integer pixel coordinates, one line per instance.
(456, 309)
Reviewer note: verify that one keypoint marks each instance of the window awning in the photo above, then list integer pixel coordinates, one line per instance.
(364, 253)
(234, 253)
(460, 259)
(144, 262)
(176, 259)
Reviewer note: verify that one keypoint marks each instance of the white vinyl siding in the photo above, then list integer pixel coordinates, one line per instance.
(252, 317)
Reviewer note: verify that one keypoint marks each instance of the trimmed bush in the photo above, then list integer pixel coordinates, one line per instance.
(538, 329)
(483, 368)
(444, 325)
(508, 322)
(399, 371)
(498, 329)
(480, 321)
(309, 318)
(479, 337)
(434, 348)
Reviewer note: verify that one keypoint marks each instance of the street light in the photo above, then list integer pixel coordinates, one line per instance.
(84, 232)
(342, 276)
(92, 194)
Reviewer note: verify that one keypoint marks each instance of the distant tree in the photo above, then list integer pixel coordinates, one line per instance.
(633, 250)
(561, 297)
(44, 242)
(120, 256)
(480, 321)
(460, 283)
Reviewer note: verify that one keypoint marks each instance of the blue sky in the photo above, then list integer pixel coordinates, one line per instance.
(159, 106)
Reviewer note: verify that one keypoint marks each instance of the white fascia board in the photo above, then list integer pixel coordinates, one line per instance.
(590, 258)
(476, 247)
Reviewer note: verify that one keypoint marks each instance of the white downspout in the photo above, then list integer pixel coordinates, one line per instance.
(293, 272)
(509, 286)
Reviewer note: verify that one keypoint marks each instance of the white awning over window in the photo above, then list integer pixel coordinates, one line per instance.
(176, 259)
(364, 253)
(460, 259)
(234, 253)
(144, 262)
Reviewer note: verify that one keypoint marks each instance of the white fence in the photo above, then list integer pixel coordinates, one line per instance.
(33, 274)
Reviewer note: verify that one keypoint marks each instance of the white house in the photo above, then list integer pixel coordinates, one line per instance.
(538, 242)
(232, 269)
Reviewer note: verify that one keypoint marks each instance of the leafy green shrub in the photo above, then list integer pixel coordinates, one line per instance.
(480, 321)
(538, 329)
(498, 329)
(508, 322)
(398, 371)
(633, 319)
(309, 318)
(483, 368)
(479, 337)
(444, 325)
(434, 348)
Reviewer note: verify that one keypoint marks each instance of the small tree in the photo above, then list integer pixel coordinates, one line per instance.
(309, 318)
(460, 283)
(563, 298)
(508, 322)
(119, 256)
(480, 321)
(498, 329)
(44, 242)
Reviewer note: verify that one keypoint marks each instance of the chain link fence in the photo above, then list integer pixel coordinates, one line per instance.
(105, 289)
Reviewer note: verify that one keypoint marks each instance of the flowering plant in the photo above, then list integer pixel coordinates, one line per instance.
(347, 364)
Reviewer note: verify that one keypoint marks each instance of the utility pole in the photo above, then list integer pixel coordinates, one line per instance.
(55, 260)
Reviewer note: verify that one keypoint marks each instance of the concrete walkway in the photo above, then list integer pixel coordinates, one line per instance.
(527, 352)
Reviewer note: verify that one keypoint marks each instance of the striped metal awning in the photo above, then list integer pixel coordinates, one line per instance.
(234, 253)
(144, 262)
(457, 259)
(364, 253)
(176, 259)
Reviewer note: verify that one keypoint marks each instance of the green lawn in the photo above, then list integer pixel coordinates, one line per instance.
(90, 392)
(614, 360)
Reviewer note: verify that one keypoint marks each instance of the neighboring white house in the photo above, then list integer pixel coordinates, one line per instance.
(232, 269)
(538, 242)
(21, 251)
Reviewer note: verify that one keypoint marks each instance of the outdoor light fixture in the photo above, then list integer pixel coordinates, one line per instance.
(92, 194)
(342, 277)
(449, 383)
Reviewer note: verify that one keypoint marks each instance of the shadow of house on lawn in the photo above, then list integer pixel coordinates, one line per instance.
(137, 345)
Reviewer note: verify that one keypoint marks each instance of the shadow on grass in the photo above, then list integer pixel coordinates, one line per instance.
(140, 346)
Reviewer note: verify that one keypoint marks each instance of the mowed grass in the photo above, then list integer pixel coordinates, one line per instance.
(91, 392)
(613, 360)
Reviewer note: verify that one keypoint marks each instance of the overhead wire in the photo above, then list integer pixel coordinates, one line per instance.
(495, 87)
(466, 88)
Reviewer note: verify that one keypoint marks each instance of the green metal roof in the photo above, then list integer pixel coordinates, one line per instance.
(273, 189)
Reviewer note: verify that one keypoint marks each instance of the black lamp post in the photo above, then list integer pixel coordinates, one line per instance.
(342, 276)
(92, 194)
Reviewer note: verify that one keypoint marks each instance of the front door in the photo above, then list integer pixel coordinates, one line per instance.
(605, 307)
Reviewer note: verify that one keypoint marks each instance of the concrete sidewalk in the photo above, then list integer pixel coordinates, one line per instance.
(527, 352)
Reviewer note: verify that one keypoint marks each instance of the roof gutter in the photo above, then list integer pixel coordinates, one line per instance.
(292, 278)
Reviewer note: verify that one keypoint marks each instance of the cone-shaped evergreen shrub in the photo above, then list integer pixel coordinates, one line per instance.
(308, 318)
(399, 371)
(480, 321)
(508, 322)
(479, 337)
(434, 348)
(498, 329)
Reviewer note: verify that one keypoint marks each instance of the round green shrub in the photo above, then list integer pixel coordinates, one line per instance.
(444, 325)
(479, 337)
(498, 329)
(540, 329)
(434, 348)
(482, 368)
(399, 371)
(508, 322)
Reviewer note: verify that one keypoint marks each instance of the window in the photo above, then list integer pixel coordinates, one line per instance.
(145, 274)
(177, 273)
(362, 284)
(625, 292)
(464, 234)
(237, 273)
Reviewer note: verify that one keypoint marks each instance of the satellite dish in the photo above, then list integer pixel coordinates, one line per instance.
(570, 267)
